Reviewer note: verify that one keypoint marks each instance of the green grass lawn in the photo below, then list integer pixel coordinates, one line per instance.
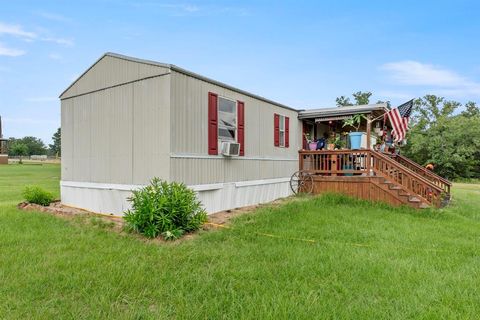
(368, 261)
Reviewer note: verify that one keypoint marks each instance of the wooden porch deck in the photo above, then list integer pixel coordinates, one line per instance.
(375, 176)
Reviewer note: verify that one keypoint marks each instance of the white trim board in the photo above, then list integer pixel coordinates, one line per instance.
(198, 187)
(113, 198)
(200, 156)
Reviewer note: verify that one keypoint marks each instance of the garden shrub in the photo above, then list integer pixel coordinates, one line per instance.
(35, 194)
(166, 209)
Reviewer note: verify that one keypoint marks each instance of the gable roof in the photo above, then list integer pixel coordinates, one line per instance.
(376, 109)
(180, 70)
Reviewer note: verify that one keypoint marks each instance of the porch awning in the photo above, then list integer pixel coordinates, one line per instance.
(326, 119)
(327, 114)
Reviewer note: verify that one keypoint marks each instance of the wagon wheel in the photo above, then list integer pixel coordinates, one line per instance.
(301, 182)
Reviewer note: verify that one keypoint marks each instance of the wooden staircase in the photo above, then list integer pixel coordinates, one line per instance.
(415, 185)
(400, 193)
(375, 176)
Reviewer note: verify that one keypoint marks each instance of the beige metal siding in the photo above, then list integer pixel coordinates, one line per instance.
(190, 162)
(151, 136)
(119, 135)
(111, 71)
(216, 170)
(81, 138)
(67, 139)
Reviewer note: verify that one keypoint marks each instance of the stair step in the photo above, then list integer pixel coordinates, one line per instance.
(403, 193)
(394, 187)
(413, 199)
(423, 206)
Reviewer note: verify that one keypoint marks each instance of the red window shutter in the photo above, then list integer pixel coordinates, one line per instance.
(287, 132)
(304, 132)
(276, 130)
(241, 126)
(212, 123)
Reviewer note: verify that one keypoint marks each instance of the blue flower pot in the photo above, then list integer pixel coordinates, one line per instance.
(355, 139)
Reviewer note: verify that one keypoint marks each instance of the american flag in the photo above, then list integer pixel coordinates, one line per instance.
(399, 119)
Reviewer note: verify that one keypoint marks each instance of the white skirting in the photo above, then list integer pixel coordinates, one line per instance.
(112, 198)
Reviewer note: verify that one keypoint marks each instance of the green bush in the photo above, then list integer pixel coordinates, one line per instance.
(167, 209)
(35, 194)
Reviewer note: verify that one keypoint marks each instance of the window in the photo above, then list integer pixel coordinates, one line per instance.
(281, 131)
(227, 119)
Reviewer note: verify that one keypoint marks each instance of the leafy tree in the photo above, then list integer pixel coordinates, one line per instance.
(471, 109)
(437, 135)
(19, 149)
(34, 145)
(362, 97)
(359, 97)
(430, 109)
(56, 147)
(343, 101)
(389, 105)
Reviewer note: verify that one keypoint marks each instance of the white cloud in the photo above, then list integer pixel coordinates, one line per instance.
(53, 16)
(187, 9)
(10, 52)
(442, 80)
(65, 42)
(15, 30)
(182, 7)
(18, 32)
(55, 56)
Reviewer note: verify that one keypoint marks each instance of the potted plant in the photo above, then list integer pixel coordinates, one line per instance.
(355, 137)
(339, 142)
(378, 144)
(312, 145)
(331, 142)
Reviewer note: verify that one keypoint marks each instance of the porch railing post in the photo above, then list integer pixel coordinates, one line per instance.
(334, 164)
(369, 132)
(300, 161)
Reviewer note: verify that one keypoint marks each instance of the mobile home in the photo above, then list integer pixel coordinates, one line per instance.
(126, 120)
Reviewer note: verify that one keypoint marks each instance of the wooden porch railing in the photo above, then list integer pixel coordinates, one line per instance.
(410, 180)
(427, 174)
(370, 163)
(334, 162)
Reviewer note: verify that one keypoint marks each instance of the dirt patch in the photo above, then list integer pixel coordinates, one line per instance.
(222, 218)
(116, 223)
(58, 209)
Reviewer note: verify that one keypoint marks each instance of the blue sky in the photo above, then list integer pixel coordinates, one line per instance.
(301, 53)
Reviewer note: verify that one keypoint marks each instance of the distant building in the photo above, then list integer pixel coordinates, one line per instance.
(3, 146)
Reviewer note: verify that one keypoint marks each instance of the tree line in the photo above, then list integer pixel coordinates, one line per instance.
(439, 134)
(28, 146)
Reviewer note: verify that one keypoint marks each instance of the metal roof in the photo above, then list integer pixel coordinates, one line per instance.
(378, 108)
(184, 71)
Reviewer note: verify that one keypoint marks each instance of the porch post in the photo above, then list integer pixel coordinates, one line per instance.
(369, 132)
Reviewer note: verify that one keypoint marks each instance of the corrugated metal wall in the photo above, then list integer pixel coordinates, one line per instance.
(119, 135)
(110, 71)
(158, 127)
(190, 162)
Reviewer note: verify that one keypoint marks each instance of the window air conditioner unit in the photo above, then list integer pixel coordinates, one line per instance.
(230, 149)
